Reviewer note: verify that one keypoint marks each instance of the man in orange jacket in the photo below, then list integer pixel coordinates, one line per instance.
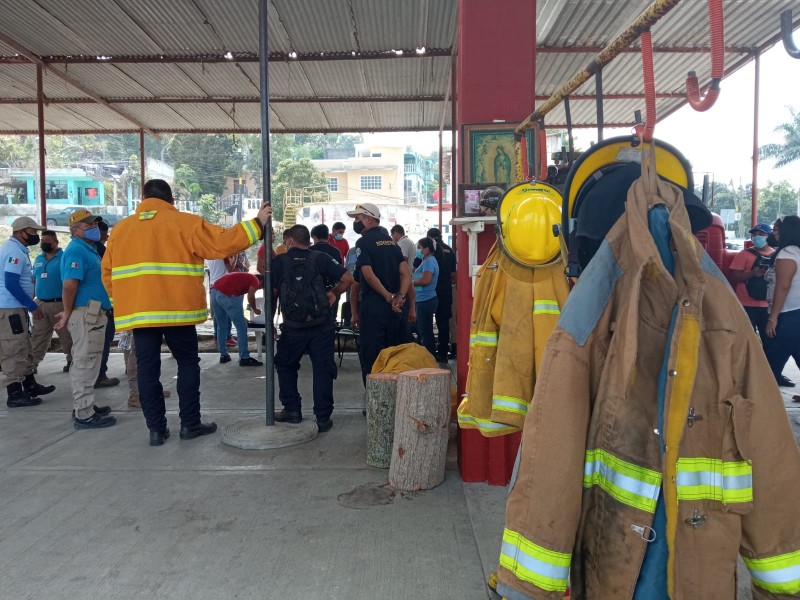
(153, 271)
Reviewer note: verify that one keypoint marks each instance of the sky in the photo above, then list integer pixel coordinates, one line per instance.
(718, 141)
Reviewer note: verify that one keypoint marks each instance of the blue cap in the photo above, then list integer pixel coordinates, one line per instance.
(762, 228)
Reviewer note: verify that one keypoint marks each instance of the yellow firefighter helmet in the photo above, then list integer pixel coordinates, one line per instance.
(525, 219)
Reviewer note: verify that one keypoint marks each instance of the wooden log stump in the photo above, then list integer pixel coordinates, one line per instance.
(421, 429)
(381, 392)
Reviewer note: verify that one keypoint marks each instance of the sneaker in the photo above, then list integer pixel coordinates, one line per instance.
(133, 402)
(225, 359)
(325, 425)
(231, 341)
(283, 416)
(105, 382)
(94, 422)
(784, 381)
(250, 362)
(100, 410)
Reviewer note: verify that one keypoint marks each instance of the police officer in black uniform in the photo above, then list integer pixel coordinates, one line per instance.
(382, 280)
(444, 291)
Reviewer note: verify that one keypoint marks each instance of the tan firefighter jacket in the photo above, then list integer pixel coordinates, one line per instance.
(590, 466)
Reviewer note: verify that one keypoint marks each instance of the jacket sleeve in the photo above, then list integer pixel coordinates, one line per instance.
(212, 241)
(544, 505)
(106, 269)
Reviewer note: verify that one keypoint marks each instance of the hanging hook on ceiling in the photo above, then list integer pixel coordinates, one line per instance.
(787, 34)
(645, 131)
(717, 27)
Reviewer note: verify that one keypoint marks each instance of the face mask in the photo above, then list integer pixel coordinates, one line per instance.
(46, 247)
(338, 236)
(772, 241)
(93, 234)
(358, 227)
(759, 242)
(31, 239)
(420, 255)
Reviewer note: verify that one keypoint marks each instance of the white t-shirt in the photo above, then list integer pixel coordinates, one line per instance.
(792, 301)
(409, 250)
(216, 269)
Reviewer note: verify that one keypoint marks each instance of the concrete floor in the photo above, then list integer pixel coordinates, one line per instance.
(101, 514)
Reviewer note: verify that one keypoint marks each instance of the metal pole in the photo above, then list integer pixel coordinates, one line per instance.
(141, 164)
(441, 195)
(454, 162)
(598, 92)
(754, 190)
(263, 70)
(40, 115)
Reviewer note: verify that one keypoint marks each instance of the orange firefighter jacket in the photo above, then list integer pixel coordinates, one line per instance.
(593, 462)
(153, 267)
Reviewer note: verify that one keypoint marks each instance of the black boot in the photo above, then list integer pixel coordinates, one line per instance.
(19, 397)
(36, 389)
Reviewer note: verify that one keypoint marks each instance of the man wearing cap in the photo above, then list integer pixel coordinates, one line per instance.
(749, 265)
(444, 292)
(86, 306)
(16, 299)
(383, 280)
(48, 284)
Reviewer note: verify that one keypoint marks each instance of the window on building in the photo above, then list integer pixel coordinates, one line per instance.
(376, 155)
(371, 182)
(56, 190)
(333, 184)
(408, 185)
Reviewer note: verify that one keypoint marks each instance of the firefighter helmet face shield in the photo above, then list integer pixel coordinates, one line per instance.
(526, 216)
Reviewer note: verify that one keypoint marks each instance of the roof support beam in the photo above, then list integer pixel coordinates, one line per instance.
(232, 100)
(66, 78)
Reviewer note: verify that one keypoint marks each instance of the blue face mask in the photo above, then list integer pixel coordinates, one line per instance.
(338, 236)
(93, 234)
(420, 255)
(759, 241)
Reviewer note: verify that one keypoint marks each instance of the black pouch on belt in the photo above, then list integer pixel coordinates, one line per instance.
(15, 321)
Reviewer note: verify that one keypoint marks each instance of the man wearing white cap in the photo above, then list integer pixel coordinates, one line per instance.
(16, 300)
(383, 281)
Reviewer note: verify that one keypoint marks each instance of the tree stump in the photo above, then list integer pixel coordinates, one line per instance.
(421, 429)
(381, 392)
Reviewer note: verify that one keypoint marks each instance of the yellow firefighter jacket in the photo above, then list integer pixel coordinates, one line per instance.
(153, 266)
(514, 311)
(597, 453)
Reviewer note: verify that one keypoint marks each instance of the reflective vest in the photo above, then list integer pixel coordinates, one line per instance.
(654, 389)
(514, 311)
(153, 266)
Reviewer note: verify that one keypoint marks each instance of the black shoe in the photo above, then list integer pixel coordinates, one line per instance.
(157, 437)
(189, 433)
(784, 381)
(283, 416)
(250, 362)
(18, 397)
(105, 382)
(224, 359)
(325, 425)
(103, 411)
(94, 422)
(36, 389)
(66, 367)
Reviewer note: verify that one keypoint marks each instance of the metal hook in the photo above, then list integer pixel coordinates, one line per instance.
(645, 531)
(787, 34)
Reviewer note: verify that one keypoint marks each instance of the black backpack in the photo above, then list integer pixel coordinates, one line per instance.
(757, 286)
(302, 292)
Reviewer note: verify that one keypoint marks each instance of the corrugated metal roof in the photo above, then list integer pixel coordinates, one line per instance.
(180, 45)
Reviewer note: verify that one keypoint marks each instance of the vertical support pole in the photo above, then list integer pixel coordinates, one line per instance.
(754, 189)
(598, 93)
(263, 71)
(454, 140)
(440, 180)
(141, 164)
(42, 171)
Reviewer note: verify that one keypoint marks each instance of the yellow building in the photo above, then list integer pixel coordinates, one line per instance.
(374, 174)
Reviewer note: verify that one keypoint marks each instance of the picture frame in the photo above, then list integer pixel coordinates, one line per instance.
(489, 153)
(469, 197)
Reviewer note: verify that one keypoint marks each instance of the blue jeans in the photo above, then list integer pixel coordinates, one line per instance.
(425, 311)
(786, 342)
(228, 309)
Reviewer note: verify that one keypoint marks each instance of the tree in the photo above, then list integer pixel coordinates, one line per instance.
(789, 150)
(213, 158)
(208, 209)
(186, 184)
(294, 174)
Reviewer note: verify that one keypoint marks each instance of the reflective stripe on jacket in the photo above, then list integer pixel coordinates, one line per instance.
(153, 265)
(594, 460)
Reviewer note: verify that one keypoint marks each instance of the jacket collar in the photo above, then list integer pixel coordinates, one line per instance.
(149, 204)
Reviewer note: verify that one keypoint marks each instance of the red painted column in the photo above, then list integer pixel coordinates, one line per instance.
(495, 81)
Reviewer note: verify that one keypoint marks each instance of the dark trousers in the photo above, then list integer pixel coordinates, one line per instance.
(110, 331)
(292, 344)
(182, 342)
(380, 328)
(786, 342)
(443, 313)
(425, 312)
(758, 319)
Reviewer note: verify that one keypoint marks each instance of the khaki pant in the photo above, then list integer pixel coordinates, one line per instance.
(88, 339)
(130, 369)
(15, 348)
(43, 332)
